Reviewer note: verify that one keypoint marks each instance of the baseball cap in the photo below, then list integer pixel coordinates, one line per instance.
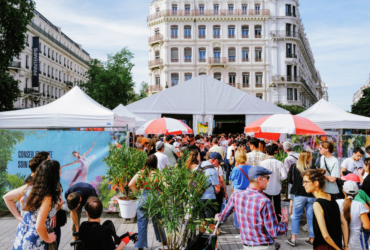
(287, 145)
(257, 171)
(159, 145)
(176, 144)
(350, 187)
(351, 177)
(215, 155)
(178, 138)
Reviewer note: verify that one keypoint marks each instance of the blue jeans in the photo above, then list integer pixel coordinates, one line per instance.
(236, 222)
(142, 225)
(299, 203)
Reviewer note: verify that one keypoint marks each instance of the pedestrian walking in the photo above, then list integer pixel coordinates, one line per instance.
(255, 157)
(279, 174)
(258, 222)
(162, 159)
(329, 225)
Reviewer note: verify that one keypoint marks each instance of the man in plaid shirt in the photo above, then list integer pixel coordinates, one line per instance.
(255, 213)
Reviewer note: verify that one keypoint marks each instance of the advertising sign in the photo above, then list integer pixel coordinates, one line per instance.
(35, 61)
(202, 127)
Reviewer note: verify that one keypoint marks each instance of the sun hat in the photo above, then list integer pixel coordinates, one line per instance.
(350, 187)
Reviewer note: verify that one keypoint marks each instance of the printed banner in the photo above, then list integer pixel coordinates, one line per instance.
(80, 154)
(202, 128)
(35, 62)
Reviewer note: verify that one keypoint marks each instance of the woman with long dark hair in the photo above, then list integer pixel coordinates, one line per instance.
(193, 160)
(41, 196)
(35, 162)
(329, 224)
(142, 221)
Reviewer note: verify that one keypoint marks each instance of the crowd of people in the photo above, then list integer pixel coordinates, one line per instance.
(333, 196)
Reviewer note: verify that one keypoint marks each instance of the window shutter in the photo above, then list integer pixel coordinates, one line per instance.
(231, 52)
(187, 52)
(174, 54)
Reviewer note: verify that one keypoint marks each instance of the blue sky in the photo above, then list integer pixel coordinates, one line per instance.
(338, 32)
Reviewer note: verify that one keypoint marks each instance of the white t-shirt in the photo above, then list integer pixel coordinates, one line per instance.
(229, 151)
(352, 165)
(219, 170)
(357, 208)
(224, 144)
(162, 160)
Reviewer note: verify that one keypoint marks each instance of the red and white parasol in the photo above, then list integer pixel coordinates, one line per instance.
(274, 125)
(164, 126)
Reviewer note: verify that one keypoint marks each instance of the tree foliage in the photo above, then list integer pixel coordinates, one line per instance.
(362, 107)
(293, 109)
(14, 17)
(143, 92)
(110, 83)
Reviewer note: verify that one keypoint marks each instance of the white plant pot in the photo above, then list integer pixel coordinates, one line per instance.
(127, 208)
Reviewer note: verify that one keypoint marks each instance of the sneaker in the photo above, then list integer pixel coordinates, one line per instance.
(308, 242)
(290, 242)
(238, 237)
(305, 228)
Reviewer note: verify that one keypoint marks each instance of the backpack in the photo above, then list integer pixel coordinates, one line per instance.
(202, 170)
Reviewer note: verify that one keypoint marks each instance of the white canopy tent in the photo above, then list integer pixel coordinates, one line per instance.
(203, 97)
(74, 109)
(122, 111)
(328, 116)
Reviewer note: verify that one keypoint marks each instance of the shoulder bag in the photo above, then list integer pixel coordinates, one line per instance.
(243, 172)
(338, 181)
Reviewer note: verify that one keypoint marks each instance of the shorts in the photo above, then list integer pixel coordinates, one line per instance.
(210, 210)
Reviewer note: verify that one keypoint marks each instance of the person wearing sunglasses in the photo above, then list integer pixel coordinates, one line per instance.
(302, 199)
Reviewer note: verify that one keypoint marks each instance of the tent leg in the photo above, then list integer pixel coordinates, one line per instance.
(133, 137)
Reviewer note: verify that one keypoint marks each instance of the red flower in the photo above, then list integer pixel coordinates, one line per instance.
(119, 145)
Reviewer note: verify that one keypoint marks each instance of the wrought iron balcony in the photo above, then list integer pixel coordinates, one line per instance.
(156, 62)
(231, 36)
(52, 77)
(235, 85)
(174, 36)
(290, 14)
(155, 38)
(30, 91)
(217, 60)
(15, 64)
(44, 74)
(52, 58)
(202, 60)
(201, 36)
(284, 33)
(52, 96)
(245, 59)
(48, 75)
(258, 60)
(174, 60)
(258, 85)
(289, 55)
(48, 56)
(187, 60)
(69, 84)
(232, 59)
(245, 36)
(245, 85)
(155, 88)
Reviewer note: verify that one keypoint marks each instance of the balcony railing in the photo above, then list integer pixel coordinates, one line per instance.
(27, 44)
(174, 36)
(156, 62)
(187, 36)
(48, 75)
(258, 60)
(245, 85)
(216, 36)
(202, 60)
(232, 59)
(158, 37)
(187, 60)
(290, 14)
(52, 58)
(245, 59)
(52, 96)
(174, 60)
(69, 84)
(284, 33)
(258, 85)
(235, 85)
(48, 56)
(201, 36)
(30, 90)
(217, 60)
(231, 36)
(155, 87)
(44, 74)
(257, 36)
(222, 12)
(295, 79)
(15, 64)
(288, 55)
(245, 36)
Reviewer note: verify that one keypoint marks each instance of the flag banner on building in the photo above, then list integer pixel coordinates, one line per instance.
(35, 61)
(202, 128)
(80, 154)
(343, 144)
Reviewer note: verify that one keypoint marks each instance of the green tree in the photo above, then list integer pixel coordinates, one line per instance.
(14, 17)
(110, 83)
(143, 92)
(8, 139)
(293, 109)
(362, 107)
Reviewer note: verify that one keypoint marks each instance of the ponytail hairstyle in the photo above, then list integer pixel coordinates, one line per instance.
(347, 209)
(316, 175)
(36, 161)
(302, 163)
(367, 162)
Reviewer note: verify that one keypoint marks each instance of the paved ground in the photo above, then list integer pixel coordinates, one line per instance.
(226, 241)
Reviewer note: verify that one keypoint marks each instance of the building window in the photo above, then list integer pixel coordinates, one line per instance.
(49, 53)
(257, 31)
(48, 71)
(232, 55)
(44, 50)
(187, 9)
(187, 53)
(60, 75)
(26, 83)
(156, 32)
(217, 55)
(174, 55)
(26, 103)
(174, 79)
(217, 76)
(52, 55)
(232, 77)
(40, 47)
(245, 54)
(292, 94)
(294, 11)
(288, 10)
(201, 9)
(43, 89)
(258, 52)
(27, 66)
(157, 80)
(202, 31)
(157, 55)
(257, 9)
(245, 80)
(174, 9)
(52, 73)
(202, 55)
(216, 31)
(187, 76)
(259, 95)
(44, 69)
(187, 32)
(215, 9)
(245, 31)
(202, 74)
(174, 31)
(244, 9)
(231, 31)
(27, 44)
(259, 79)
(231, 9)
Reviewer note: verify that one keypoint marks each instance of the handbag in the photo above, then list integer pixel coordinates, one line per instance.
(61, 218)
(338, 181)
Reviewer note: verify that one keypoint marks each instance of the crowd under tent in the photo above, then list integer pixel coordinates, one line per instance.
(122, 111)
(329, 116)
(75, 109)
(205, 99)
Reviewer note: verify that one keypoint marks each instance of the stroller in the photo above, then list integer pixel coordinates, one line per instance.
(204, 241)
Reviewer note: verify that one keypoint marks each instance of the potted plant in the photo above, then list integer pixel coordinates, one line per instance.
(123, 163)
(178, 205)
(282, 78)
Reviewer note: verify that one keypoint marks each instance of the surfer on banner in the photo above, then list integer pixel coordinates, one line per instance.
(79, 173)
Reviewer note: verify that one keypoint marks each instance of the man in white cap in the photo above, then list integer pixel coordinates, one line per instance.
(163, 161)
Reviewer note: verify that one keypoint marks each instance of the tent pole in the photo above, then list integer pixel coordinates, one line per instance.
(133, 137)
